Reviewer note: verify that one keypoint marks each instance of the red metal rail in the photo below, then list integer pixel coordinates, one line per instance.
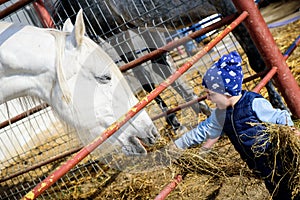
(43, 14)
(56, 175)
(273, 71)
(169, 188)
(265, 80)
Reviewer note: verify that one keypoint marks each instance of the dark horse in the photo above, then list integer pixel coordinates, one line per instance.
(110, 18)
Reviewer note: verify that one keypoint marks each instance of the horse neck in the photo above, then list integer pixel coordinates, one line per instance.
(27, 61)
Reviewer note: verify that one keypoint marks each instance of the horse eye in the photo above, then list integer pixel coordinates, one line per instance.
(103, 79)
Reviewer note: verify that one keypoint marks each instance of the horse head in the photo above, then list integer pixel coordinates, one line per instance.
(91, 93)
(76, 78)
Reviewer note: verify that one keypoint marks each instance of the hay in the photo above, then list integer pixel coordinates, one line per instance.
(287, 148)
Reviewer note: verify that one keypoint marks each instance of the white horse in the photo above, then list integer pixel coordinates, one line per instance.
(76, 78)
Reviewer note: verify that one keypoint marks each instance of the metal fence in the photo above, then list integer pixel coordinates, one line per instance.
(34, 141)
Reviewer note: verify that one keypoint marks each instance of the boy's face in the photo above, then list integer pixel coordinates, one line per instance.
(221, 100)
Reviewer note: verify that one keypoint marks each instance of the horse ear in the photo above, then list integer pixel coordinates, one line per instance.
(79, 29)
(68, 26)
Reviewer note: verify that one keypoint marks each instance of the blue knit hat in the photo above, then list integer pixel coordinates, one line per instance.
(225, 76)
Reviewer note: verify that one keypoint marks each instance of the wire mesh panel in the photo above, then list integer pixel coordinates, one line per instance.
(27, 144)
(129, 30)
(36, 145)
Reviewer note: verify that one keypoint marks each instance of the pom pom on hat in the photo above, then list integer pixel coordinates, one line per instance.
(225, 76)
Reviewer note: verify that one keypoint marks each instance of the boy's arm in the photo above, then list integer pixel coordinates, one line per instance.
(207, 130)
(266, 113)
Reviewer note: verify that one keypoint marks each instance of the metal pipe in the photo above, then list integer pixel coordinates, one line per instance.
(62, 170)
(23, 115)
(3, 1)
(265, 43)
(291, 48)
(14, 7)
(43, 14)
(169, 188)
(175, 43)
(255, 76)
(179, 107)
(265, 80)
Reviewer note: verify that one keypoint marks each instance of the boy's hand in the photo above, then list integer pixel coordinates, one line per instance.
(210, 143)
(296, 131)
(173, 149)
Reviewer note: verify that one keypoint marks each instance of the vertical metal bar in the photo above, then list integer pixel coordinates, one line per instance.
(62, 170)
(43, 14)
(271, 54)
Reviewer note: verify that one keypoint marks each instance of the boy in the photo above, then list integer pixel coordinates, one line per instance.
(235, 109)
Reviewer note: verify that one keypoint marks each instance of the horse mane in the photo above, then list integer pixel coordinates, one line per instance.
(60, 40)
(60, 43)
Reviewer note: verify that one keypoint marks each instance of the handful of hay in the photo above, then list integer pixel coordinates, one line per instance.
(286, 147)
